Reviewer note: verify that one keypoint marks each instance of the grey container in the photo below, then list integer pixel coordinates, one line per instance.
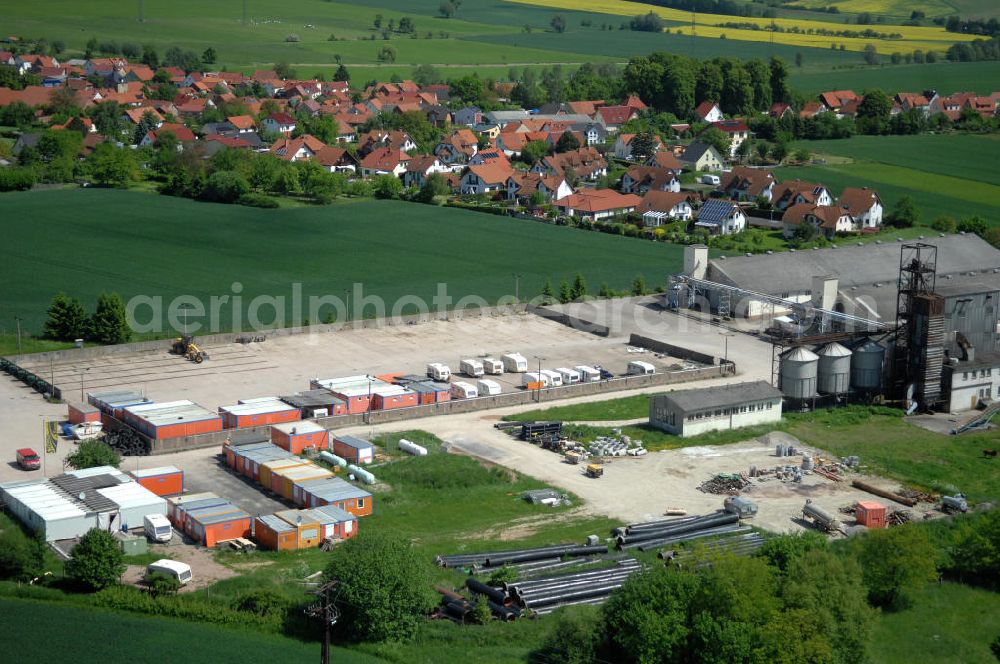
(834, 374)
(866, 366)
(798, 372)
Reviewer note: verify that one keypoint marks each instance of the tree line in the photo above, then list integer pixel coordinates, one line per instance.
(68, 320)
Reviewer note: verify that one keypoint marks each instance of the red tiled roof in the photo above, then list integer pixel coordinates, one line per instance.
(656, 200)
(616, 115)
(384, 159)
(181, 132)
(492, 172)
(599, 200)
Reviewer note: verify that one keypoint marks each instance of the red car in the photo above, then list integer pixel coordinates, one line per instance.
(28, 459)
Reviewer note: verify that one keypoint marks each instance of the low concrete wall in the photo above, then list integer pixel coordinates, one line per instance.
(674, 351)
(92, 352)
(215, 439)
(570, 321)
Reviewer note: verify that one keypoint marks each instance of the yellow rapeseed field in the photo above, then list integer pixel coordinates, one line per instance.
(901, 8)
(707, 25)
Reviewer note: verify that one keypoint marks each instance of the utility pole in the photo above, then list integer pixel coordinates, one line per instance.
(517, 287)
(326, 610)
(538, 392)
(18, 319)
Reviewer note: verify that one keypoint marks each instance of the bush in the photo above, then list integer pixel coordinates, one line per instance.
(161, 584)
(97, 562)
(226, 187)
(16, 179)
(944, 224)
(257, 200)
(93, 453)
(571, 640)
(895, 562)
(262, 602)
(292, 38)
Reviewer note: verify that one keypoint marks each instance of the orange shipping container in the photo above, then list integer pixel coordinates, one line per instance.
(81, 412)
(870, 514)
(265, 473)
(309, 531)
(215, 529)
(307, 473)
(163, 481)
(275, 534)
(296, 437)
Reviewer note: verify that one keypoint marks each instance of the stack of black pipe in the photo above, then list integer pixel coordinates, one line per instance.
(590, 587)
(501, 558)
(654, 534)
(739, 545)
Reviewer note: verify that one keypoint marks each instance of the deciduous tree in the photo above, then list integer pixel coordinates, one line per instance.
(97, 561)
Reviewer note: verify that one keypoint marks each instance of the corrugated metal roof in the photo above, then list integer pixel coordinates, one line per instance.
(221, 518)
(258, 407)
(300, 427)
(156, 472)
(312, 398)
(333, 512)
(427, 387)
(276, 524)
(174, 412)
(271, 453)
(334, 489)
(201, 504)
(118, 398)
(721, 396)
(293, 516)
(132, 495)
(354, 441)
(301, 473)
(182, 501)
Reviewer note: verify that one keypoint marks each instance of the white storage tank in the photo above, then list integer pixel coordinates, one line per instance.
(462, 390)
(438, 371)
(492, 366)
(640, 368)
(588, 374)
(514, 362)
(488, 388)
(412, 448)
(797, 375)
(834, 370)
(866, 366)
(569, 376)
(470, 367)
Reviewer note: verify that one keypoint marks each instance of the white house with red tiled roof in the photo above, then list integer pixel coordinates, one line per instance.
(709, 111)
(279, 123)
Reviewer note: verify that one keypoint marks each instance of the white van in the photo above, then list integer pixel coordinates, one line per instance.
(157, 527)
(532, 377)
(473, 368)
(488, 388)
(179, 571)
(438, 371)
(640, 368)
(711, 179)
(463, 390)
(514, 363)
(588, 374)
(492, 366)
(569, 376)
(555, 379)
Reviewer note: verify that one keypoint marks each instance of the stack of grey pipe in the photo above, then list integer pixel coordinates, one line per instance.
(738, 545)
(501, 558)
(656, 534)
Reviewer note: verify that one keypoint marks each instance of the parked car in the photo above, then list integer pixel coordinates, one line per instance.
(28, 459)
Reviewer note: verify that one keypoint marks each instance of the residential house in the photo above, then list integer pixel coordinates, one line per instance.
(385, 161)
(623, 145)
(192, 107)
(504, 118)
(736, 131)
(419, 168)
(835, 99)
(134, 116)
(242, 123)
(779, 109)
(437, 115)
(597, 204)
(585, 163)
(302, 148)
(180, 132)
(613, 117)
(709, 111)
(633, 101)
(827, 219)
(397, 140)
(594, 133)
(864, 205)
(748, 184)
(470, 116)
(640, 179)
(701, 157)
(811, 109)
(485, 178)
(213, 143)
(794, 192)
(909, 101)
(665, 159)
(721, 217)
(458, 147)
(672, 205)
(586, 107)
(522, 185)
(336, 160)
(280, 123)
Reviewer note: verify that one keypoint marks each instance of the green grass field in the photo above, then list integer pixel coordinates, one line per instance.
(48, 632)
(946, 77)
(948, 174)
(87, 240)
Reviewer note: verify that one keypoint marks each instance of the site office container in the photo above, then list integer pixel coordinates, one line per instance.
(163, 481)
(386, 400)
(429, 392)
(78, 413)
(273, 533)
(175, 419)
(353, 448)
(212, 529)
(290, 476)
(177, 506)
(336, 523)
(339, 493)
(266, 475)
(870, 514)
(308, 530)
(258, 414)
(296, 437)
(114, 402)
(249, 458)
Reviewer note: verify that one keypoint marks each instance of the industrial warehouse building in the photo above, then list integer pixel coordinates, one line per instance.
(950, 285)
(692, 412)
(68, 505)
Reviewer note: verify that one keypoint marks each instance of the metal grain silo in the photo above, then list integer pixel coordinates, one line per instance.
(866, 367)
(797, 375)
(834, 369)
